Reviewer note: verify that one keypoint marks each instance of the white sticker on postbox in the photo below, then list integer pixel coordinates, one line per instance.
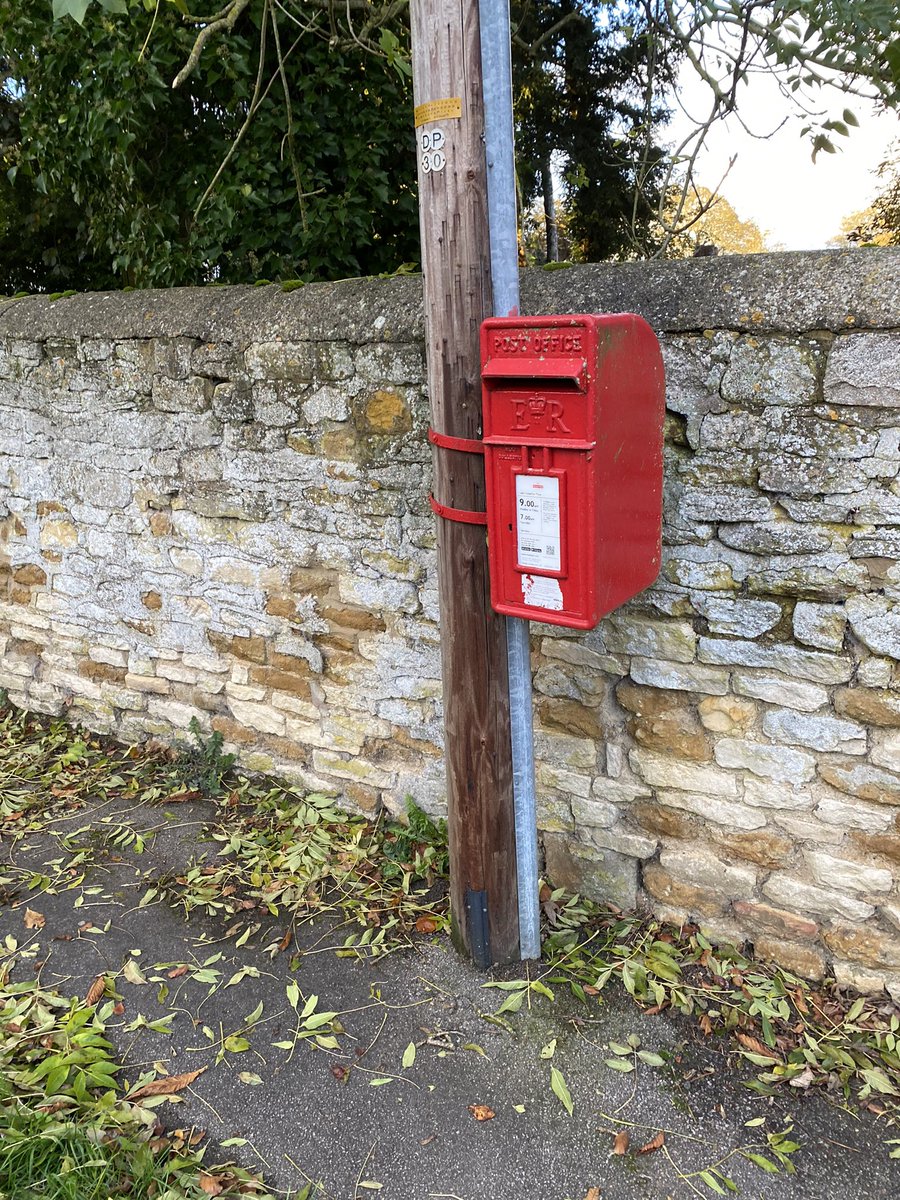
(538, 522)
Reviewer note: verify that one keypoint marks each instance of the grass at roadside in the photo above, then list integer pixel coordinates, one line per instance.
(69, 1130)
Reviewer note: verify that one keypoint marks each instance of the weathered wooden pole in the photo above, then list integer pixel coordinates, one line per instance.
(457, 288)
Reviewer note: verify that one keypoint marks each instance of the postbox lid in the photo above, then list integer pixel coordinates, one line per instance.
(534, 366)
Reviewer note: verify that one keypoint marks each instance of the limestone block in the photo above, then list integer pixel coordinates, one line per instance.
(804, 830)
(875, 672)
(859, 779)
(295, 361)
(176, 715)
(801, 960)
(618, 791)
(188, 561)
(715, 576)
(871, 818)
(846, 875)
(694, 368)
(689, 899)
(772, 371)
(563, 750)
(768, 793)
(886, 750)
(710, 808)
(797, 475)
(724, 502)
(382, 595)
(62, 534)
(820, 625)
(659, 771)
(755, 915)
(601, 875)
(569, 782)
(791, 893)
(663, 720)
(876, 622)
(868, 946)
(257, 716)
(817, 732)
(807, 664)
(554, 815)
(777, 537)
(778, 689)
(390, 363)
(355, 769)
(727, 714)
(690, 677)
(834, 577)
(704, 869)
(860, 979)
(674, 641)
(580, 655)
(176, 671)
(618, 840)
(777, 763)
(864, 369)
(594, 813)
(737, 618)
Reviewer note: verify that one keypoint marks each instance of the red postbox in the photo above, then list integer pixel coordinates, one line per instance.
(573, 435)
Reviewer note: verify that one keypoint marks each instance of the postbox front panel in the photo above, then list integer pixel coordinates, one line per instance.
(573, 410)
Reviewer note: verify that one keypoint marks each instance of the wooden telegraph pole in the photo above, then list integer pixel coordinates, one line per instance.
(453, 221)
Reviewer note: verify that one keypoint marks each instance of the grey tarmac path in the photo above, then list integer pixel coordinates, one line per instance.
(324, 1116)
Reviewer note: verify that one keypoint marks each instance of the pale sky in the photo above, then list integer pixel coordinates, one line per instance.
(796, 202)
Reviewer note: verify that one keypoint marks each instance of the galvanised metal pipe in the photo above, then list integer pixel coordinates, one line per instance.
(496, 65)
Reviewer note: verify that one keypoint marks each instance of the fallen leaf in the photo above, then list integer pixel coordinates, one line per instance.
(95, 991)
(754, 1044)
(426, 925)
(803, 1080)
(426, 1141)
(593, 1194)
(182, 797)
(211, 1184)
(34, 920)
(622, 1142)
(341, 1074)
(560, 1089)
(177, 972)
(132, 972)
(168, 1085)
(655, 1143)
(119, 1008)
(481, 1112)
(286, 940)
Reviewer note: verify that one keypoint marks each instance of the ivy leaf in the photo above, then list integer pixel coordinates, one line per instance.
(70, 8)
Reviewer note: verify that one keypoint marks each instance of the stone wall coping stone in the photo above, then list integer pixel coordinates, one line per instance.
(790, 292)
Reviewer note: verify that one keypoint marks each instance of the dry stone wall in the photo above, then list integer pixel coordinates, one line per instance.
(213, 504)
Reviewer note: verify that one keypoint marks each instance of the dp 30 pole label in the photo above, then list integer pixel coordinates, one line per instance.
(431, 143)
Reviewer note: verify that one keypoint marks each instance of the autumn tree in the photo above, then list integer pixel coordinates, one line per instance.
(709, 222)
(879, 224)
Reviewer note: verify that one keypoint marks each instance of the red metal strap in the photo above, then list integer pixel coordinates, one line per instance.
(457, 514)
(446, 442)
